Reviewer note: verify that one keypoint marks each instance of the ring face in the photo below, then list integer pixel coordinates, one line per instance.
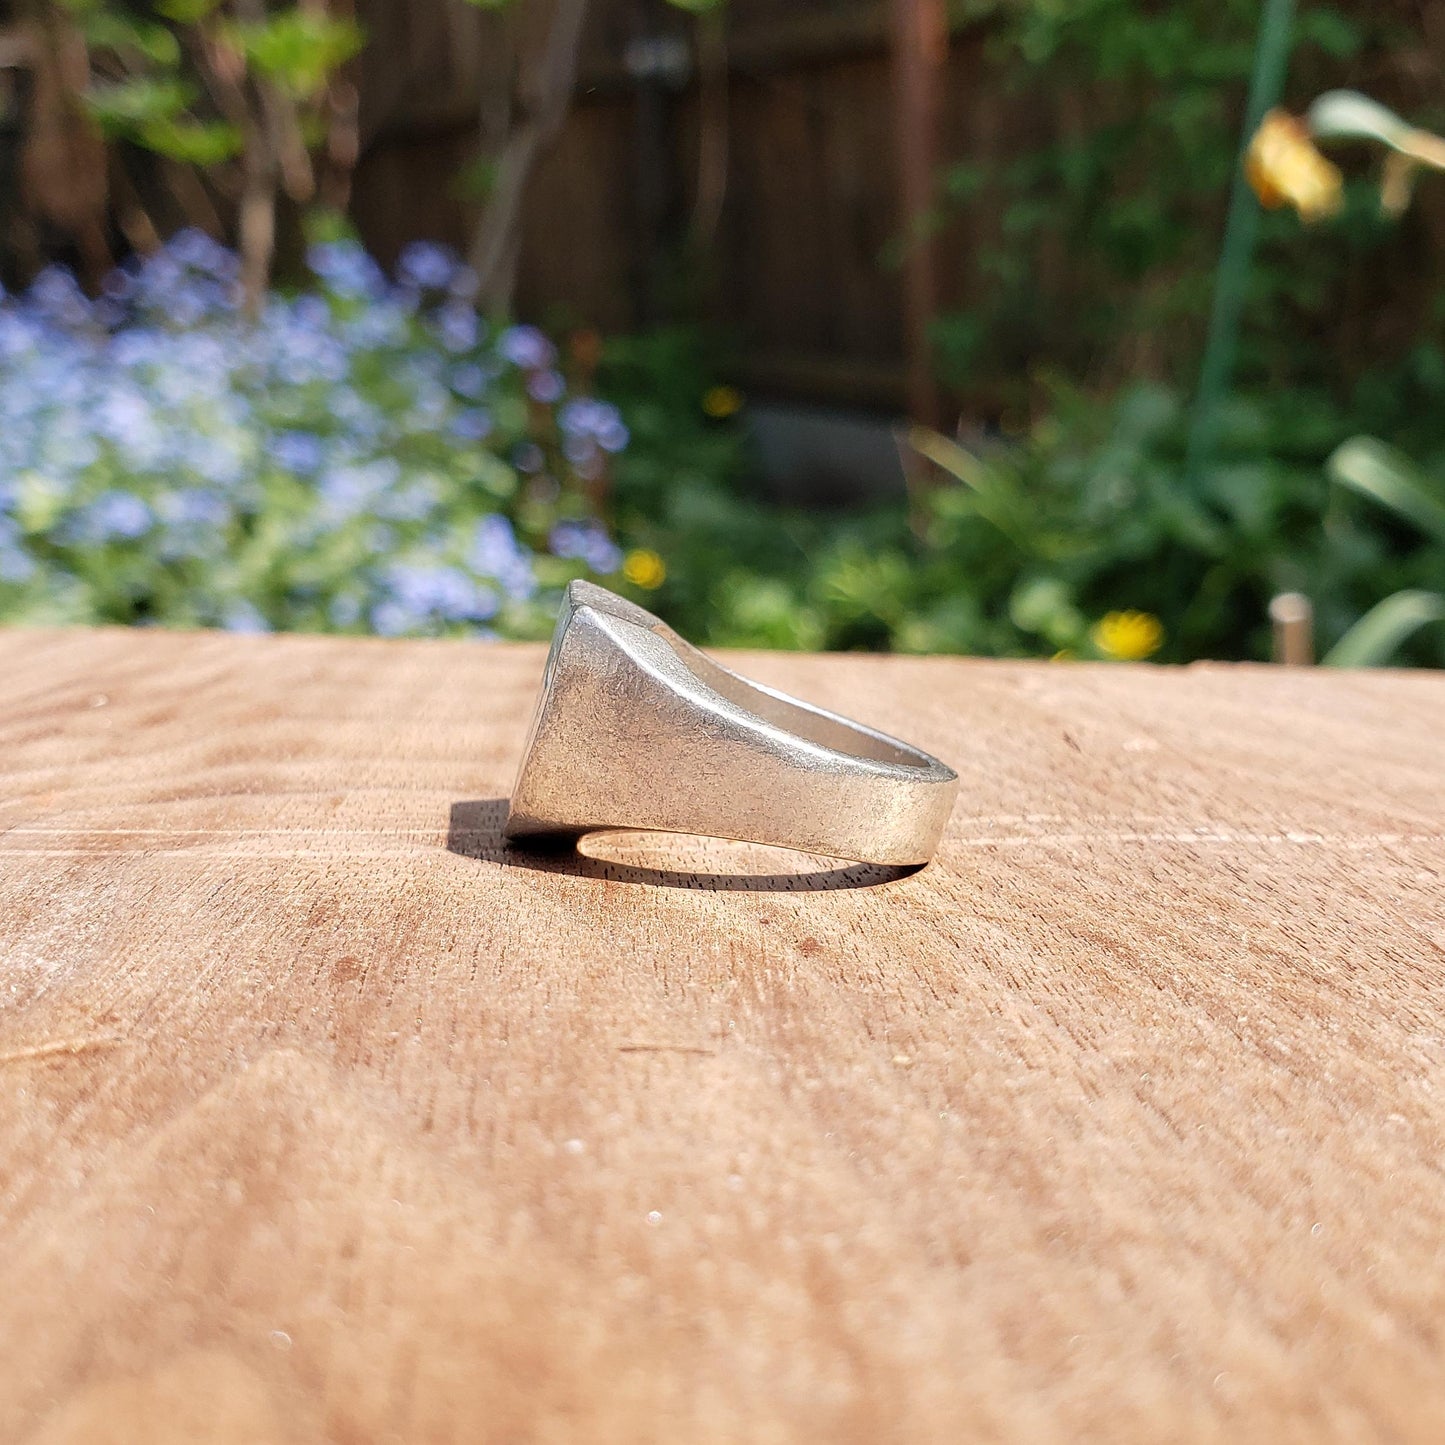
(635, 728)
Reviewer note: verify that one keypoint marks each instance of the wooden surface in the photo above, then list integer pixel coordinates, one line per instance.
(324, 1118)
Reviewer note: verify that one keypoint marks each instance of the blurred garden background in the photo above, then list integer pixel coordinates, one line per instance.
(1006, 327)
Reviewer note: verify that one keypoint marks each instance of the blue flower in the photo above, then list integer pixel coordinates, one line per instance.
(586, 542)
(137, 347)
(613, 437)
(381, 324)
(471, 425)
(187, 282)
(308, 353)
(411, 503)
(195, 507)
(17, 337)
(346, 270)
(56, 297)
(198, 251)
(16, 564)
(494, 546)
(427, 265)
(350, 491)
(345, 610)
(195, 521)
(469, 381)
(243, 617)
(525, 347)
(424, 592)
(390, 619)
(116, 516)
(458, 326)
(311, 313)
(546, 386)
(359, 420)
(125, 416)
(598, 421)
(162, 418)
(495, 552)
(298, 451)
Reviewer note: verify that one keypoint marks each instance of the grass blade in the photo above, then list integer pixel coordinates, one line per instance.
(1379, 472)
(1372, 641)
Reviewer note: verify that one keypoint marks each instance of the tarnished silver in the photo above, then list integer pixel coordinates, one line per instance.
(636, 728)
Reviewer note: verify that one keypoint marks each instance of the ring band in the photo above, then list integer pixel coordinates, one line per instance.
(637, 729)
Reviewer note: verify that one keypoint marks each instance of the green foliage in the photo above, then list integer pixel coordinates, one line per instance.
(187, 12)
(296, 48)
(113, 30)
(159, 76)
(359, 457)
(1377, 636)
(1146, 104)
(130, 105)
(1386, 476)
(1089, 507)
(153, 112)
(194, 142)
(1025, 546)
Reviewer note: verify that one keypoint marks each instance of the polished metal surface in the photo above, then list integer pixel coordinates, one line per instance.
(636, 728)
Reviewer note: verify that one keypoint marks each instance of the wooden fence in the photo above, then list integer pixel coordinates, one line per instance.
(801, 262)
(752, 177)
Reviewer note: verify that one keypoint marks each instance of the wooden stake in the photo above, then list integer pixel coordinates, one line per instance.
(1294, 629)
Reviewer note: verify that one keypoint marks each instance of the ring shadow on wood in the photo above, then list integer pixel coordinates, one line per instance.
(660, 860)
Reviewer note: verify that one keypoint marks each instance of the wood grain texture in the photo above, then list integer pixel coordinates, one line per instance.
(323, 1117)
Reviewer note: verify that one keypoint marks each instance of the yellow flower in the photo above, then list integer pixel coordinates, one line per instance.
(1129, 636)
(644, 568)
(1285, 168)
(720, 402)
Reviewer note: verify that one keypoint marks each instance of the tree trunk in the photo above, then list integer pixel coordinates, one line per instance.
(545, 99)
(257, 223)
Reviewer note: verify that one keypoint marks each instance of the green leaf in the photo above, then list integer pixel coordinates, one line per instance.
(1348, 115)
(944, 452)
(40, 502)
(1373, 640)
(106, 30)
(128, 105)
(993, 494)
(298, 49)
(1044, 607)
(1379, 472)
(152, 112)
(186, 12)
(197, 143)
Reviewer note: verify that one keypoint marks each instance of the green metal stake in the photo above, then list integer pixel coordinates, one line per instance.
(1271, 57)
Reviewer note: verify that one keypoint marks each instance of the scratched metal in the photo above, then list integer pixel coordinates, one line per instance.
(635, 728)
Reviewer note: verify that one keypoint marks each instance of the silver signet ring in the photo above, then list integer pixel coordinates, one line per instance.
(637, 729)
